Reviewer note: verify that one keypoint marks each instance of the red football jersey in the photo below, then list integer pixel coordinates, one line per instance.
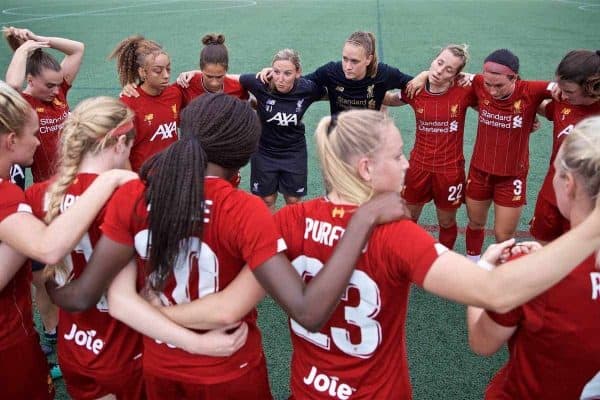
(502, 143)
(156, 120)
(92, 340)
(555, 351)
(16, 318)
(361, 352)
(440, 126)
(231, 87)
(238, 230)
(51, 117)
(564, 116)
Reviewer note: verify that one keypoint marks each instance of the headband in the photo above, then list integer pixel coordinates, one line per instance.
(121, 129)
(493, 67)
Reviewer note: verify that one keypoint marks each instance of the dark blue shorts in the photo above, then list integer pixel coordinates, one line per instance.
(286, 175)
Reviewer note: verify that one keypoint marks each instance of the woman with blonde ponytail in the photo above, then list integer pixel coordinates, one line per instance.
(24, 369)
(553, 339)
(97, 136)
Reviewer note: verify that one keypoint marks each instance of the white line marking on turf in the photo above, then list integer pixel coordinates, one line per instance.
(581, 5)
(111, 10)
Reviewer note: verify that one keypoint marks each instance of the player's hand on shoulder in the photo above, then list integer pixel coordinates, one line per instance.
(184, 78)
(464, 79)
(417, 84)
(129, 90)
(265, 75)
(384, 208)
(556, 92)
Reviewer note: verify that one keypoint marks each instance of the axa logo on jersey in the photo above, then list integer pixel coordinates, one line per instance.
(165, 131)
(85, 339)
(328, 384)
(284, 119)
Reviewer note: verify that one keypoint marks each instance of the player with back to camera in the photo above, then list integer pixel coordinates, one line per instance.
(22, 236)
(200, 243)
(360, 352)
(552, 339)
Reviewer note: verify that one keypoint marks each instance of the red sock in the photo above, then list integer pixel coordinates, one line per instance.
(474, 239)
(448, 236)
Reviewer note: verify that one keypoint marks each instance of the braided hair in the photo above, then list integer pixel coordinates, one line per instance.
(215, 128)
(131, 54)
(87, 130)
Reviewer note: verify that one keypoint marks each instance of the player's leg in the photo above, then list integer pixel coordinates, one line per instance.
(506, 222)
(293, 177)
(448, 195)
(509, 199)
(48, 311)
(270, 201)
(478, 198)
(448, 228)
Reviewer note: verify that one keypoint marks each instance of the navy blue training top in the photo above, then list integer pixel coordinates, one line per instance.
(345, 94)
(281, 113)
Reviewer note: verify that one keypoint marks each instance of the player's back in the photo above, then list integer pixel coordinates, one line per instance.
(360, 352)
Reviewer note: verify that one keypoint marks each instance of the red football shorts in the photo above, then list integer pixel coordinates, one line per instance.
(125, 385)
(253, 385)
(446, 189)
(25, 374)
(547, 223)
(506, 191)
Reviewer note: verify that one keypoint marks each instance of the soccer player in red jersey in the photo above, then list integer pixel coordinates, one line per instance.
(24, 368)
(47, 84)
(144, 62)
(437, 163)
(200, 243)
(360, 352)
(500, 160)
(212, 77)
(578, 77)
(98, 355)
(553, 339)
